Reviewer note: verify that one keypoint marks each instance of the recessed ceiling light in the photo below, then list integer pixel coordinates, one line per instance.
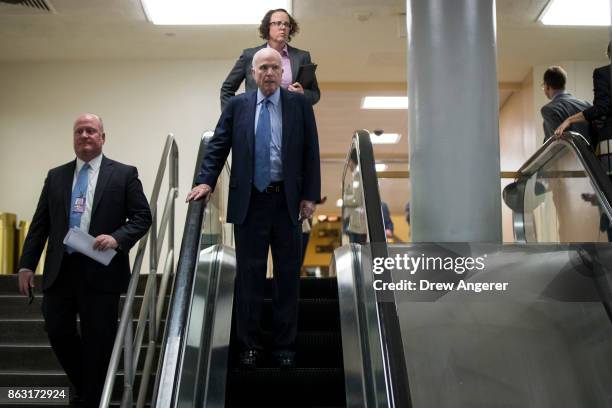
(384, 102)
(576, 13)
(385, 138)
(339, 202)
(200, 12)
(380, 166)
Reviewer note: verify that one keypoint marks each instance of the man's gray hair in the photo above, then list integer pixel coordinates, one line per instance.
(264, 51)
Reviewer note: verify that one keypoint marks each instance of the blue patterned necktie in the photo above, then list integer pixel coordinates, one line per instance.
(80, 190)
(263, 134)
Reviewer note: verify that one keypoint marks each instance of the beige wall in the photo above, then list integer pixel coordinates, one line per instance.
(140, 102)
(517, 140)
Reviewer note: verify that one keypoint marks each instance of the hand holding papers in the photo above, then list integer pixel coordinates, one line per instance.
(82, 242)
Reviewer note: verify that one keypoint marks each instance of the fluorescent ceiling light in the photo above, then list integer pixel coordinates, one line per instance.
(576, 13)
(380, 166)
(385, 138)
(203, 12)
(384, 102)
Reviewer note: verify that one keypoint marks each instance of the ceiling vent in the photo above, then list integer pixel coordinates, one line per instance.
(26, 7)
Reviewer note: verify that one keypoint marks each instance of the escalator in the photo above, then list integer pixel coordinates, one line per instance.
(199, 359)
(530, 328)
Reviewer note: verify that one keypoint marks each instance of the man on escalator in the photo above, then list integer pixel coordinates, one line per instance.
(274, 184)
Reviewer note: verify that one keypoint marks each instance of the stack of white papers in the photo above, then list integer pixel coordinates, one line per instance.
(82, 242)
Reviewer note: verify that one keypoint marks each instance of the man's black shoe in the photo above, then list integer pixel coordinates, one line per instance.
(284, 358)
(248, 359)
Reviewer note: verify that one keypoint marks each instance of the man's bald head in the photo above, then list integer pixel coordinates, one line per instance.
(88, 136)
(267, 69)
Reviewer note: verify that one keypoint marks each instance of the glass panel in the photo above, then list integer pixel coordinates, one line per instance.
(560, 204)
(395, 193)
(354, 222)
(542, 340)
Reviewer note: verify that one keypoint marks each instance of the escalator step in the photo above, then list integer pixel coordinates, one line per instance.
(298, 387)
(314, 314)
(314, 349)
(311, 288)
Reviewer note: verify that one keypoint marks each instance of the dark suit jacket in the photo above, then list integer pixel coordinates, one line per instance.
(601, 95)
(560, 108)
(299, 153)
(242, 71)
(120, 209)
(601, 109)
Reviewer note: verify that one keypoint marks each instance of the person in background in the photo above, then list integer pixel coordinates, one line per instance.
(105, 199)
(600, 117)
(275, 181)
(562, 104)
(387, 220)
(278, 28)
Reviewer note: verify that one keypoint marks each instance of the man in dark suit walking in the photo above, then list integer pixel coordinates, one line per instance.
(275, 181)
(277, 27)
(562, 104)
(105, 199)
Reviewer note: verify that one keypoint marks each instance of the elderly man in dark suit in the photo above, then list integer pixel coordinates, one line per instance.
(562, 104)
(277, 28)
(275, 181)
(104, 198)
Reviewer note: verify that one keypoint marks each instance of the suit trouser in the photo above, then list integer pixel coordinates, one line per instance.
(267, 225)
(85, 355)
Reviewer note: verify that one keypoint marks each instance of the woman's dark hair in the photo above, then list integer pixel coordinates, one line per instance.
(264, 27)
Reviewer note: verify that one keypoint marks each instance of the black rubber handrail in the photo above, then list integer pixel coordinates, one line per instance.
(398, 389)
(174, 336)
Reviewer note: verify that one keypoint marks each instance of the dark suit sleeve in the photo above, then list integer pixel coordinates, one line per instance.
(38, 232)
(218, 148)
(601, 98)
(138, 213)
(552, 120)
(234, 79)
(311, 168)
(312, 94)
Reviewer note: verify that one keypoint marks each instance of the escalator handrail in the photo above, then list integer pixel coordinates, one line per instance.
(578, 144)
(394, 363)
(174, 335)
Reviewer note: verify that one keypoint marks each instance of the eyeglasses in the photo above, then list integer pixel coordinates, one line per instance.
(279, 24)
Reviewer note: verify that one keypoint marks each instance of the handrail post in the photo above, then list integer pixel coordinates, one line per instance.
(125, 341)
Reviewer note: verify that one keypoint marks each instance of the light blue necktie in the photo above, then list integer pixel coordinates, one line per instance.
(263, 134)
(79, 190)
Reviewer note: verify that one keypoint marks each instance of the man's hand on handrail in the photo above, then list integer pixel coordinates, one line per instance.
(564, 125)
(198, 192)
(575, 118)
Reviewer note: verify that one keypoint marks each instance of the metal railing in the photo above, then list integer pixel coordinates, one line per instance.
(173, 344)
(153, 300)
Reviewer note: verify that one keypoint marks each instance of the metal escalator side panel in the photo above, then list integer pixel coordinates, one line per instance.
(363, 365)
(214, 395)
(203, 372)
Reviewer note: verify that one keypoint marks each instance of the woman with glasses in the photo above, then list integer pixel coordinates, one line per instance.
(277, 28)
